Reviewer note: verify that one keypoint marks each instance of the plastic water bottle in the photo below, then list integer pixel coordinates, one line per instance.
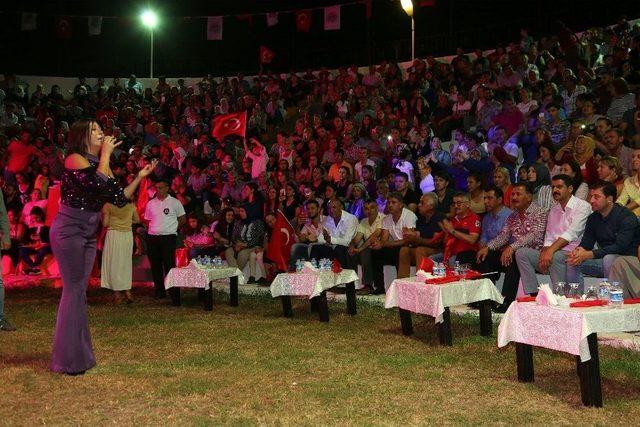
(615, 295)
(603, 290)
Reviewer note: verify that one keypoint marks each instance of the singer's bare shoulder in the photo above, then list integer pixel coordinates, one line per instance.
(76, 161)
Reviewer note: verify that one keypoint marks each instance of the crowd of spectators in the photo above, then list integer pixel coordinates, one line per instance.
(382, 167)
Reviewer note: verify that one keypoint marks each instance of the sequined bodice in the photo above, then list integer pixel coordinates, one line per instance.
(89, 190)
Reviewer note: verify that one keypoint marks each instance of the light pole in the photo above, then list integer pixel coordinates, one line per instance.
(150, 20)
(407, 5)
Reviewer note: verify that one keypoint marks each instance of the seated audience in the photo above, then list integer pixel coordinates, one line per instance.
(613, 228)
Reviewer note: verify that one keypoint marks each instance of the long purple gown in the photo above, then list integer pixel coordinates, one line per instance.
(73, 241)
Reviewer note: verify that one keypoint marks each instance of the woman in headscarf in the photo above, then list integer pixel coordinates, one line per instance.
(357, 200)
(581, 151)
(540, 180)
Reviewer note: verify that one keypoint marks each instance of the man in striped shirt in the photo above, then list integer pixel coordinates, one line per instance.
(524, 228)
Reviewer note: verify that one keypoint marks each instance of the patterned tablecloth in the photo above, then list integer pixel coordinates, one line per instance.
(310, 284)
(414, 295)
(564, 328)
(198, 276)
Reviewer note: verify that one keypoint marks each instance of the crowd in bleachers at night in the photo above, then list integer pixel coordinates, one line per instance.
(525, 158)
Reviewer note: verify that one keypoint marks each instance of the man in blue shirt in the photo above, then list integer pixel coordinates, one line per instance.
(496, 217)
(614, 228)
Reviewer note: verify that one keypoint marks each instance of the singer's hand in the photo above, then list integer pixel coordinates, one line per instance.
(145, 171)
(109, 143)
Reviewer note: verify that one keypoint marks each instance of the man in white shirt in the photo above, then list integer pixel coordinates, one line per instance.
(368, 232)
(308, 234)
(565, 227)
(386, 250)
(258, 155)
(163, 215)
(337, 231)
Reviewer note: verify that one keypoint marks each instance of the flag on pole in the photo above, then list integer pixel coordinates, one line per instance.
(214, 28)
(266, 55)
(64, 30)
(303, 20)
(229, 124)
(95, 25)
(272, 19)
(279, 246)
(332, 18)
(29, 21)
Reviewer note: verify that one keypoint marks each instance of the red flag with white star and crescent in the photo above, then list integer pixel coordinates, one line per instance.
(282, 238)
(230, 124)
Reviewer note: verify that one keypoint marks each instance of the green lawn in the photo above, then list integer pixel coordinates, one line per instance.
(249, 365)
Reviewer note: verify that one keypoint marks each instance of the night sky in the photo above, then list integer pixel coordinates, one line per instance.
(181, 48)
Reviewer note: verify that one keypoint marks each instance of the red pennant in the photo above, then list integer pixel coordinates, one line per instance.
(64, 29)
(247, 18)
(282, 238)
(229, 124)
(303, 20)
(266, 55)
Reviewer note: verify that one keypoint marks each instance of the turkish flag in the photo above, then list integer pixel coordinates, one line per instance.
(64, 29)
(229, 124)
(53, 204)
(279, 246)
(266, 55)
(303, 20)
(427, 3)
(143, 196)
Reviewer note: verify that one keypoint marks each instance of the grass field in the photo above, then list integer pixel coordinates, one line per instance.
(161, 365)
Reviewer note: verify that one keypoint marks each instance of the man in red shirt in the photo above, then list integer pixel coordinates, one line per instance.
(20, 153)
(462, 232)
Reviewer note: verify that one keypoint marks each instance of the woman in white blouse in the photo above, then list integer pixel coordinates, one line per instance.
(630, 195)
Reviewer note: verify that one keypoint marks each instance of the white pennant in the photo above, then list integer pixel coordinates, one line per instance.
(29, 21)
(272, 19)
(95, 25)
(332, 18)
(214, 28)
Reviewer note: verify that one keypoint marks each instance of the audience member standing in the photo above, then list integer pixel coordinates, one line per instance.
(164, 214)
(116, 271)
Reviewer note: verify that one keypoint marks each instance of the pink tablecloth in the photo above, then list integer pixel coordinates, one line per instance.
(310, 284)
(414, 295)
(193, 276)
(563, 328)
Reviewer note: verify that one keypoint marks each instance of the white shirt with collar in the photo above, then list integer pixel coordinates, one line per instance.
(567, 224)
(341, 233)
(407, 220)
(163, 215)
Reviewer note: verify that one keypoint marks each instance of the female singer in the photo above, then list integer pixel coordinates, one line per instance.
(87, 184)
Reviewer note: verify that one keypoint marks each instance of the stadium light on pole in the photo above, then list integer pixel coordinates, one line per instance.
(407, 5)
(150, 20)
